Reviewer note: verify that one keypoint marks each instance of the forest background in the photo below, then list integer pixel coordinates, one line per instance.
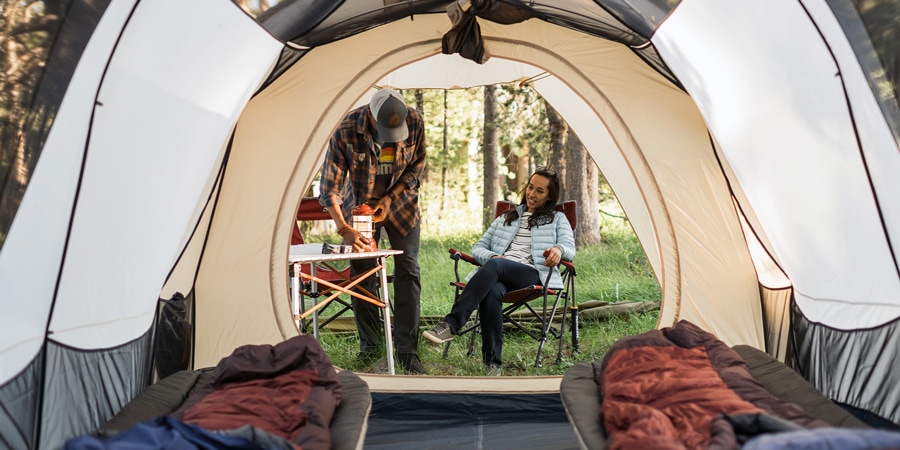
(482, 145)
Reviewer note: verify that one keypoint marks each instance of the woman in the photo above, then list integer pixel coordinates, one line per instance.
(512, 253)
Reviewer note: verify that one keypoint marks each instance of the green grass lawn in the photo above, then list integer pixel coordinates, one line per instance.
(615, 271)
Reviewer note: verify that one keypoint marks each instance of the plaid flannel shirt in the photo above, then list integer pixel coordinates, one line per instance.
(348, 173)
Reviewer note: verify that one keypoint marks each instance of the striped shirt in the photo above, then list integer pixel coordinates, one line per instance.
(351, 165)
(520, 248)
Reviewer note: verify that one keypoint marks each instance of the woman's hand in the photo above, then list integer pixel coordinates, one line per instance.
(552, 256)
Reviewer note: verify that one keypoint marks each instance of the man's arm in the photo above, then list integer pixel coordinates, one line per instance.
(334, 173)
(335, 170)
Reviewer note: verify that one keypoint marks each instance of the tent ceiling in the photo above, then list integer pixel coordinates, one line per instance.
(317, 22)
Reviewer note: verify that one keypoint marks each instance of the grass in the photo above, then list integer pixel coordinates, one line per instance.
(615, 271)
(519, 350)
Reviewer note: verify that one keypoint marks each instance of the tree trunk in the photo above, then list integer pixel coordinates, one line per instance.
(489, 149)
(559, 131)
(445, 149)
(581, 184)
(523, 170)
(511, 161)
(420, 106)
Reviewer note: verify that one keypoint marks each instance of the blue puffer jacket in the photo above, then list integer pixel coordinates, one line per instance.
(498, 237)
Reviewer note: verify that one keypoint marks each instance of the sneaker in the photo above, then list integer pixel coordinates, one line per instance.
(411, 364)
(492, 371)
(439, 333)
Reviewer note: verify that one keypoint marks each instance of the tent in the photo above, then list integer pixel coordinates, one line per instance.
(754, 146)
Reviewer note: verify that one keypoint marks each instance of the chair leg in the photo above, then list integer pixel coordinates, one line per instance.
(573, 309)
(546, 325)
(576, 329)
(562, 329)
(305, 323)
(567, 294)
(334, 316)
(545, 331)
(474, 329)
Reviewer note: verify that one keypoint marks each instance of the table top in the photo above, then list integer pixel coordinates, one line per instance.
(303, 253)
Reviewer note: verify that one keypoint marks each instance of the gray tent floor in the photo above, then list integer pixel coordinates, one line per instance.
(476, 421)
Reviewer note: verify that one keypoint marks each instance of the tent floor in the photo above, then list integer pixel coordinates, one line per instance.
(455, 420)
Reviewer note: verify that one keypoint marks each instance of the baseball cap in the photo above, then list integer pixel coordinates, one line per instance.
(390, 113)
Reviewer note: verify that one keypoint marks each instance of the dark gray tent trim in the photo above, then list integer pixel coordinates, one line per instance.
(88, 387)
(304, 25)
(19, 398)
(173, 341)
(830, 358)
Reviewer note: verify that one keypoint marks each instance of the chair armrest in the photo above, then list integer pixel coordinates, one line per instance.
(458, 255)
(563, 262)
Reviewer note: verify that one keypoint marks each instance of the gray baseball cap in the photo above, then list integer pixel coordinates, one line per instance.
(389, 111)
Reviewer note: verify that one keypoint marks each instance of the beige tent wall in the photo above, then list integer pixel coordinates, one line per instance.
(277, 146)
(615, 169)
(182, 277)
(664, 141)
(242, 286)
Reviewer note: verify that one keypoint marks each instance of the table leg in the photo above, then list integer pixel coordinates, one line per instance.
(295, 293)
(388, 337)
(314, 292)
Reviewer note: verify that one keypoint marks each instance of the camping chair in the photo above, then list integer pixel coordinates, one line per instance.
(521, 299)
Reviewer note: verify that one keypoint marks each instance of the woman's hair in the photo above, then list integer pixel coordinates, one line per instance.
(545, 213)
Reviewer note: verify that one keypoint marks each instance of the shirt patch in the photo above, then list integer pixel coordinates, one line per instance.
(386, 161)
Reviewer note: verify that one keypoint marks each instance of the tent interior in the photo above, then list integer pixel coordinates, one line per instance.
(758, 182)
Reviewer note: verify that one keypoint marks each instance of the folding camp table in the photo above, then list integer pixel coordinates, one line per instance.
(312, 254)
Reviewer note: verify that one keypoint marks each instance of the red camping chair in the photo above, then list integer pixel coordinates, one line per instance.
(519, 310)
(310, 210)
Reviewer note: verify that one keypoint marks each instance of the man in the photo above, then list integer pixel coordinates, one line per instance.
(376, 157)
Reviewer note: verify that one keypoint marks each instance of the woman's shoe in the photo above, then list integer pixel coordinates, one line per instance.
(439, 333)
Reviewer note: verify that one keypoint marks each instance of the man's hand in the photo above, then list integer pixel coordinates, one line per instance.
(381, 209)
(354, 238)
